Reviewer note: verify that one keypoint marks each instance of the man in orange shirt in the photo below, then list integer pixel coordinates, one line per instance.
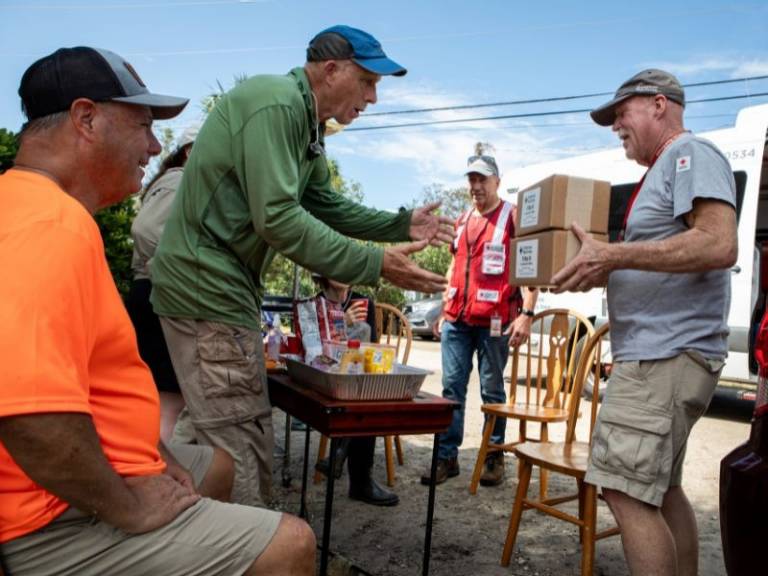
(86, 486)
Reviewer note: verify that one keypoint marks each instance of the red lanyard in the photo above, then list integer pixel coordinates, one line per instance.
(636, 191)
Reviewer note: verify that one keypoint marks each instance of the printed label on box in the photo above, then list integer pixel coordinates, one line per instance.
(527, 258)
(529, 211)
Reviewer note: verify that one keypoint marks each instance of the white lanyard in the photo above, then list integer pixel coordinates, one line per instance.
(501, 223)
(498, 232)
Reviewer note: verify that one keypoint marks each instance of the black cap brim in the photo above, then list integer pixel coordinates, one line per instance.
(162, 107)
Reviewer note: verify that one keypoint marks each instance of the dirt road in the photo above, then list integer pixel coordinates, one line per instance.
(469, 530)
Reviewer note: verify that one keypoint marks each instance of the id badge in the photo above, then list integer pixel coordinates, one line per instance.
(495, 326)
(493, 259)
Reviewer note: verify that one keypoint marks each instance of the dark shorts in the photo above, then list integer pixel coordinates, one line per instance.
(149, 334)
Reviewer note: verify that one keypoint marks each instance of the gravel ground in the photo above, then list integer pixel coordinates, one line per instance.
(469, 531)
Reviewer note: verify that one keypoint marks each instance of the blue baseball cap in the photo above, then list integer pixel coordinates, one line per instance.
(346, 43)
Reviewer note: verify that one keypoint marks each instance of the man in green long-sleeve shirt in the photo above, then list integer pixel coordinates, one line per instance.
(258, 182)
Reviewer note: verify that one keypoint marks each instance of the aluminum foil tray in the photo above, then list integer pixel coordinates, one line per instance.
(402, 384)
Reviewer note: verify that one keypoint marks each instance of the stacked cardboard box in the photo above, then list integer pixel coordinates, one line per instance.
(544, 242)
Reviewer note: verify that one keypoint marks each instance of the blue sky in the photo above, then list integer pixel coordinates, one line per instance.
(457, 53)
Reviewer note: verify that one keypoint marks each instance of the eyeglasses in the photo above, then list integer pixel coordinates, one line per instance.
(490, 160)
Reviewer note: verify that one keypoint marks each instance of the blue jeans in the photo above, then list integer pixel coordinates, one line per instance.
(459, 341)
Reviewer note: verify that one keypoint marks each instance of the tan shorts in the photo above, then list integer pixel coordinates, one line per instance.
(209, 538)
(221, 373)
(650, 406)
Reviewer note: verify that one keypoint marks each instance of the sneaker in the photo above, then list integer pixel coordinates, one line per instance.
(445, 469)
(493, 470)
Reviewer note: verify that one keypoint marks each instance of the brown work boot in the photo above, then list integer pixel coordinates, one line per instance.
(493, 470)
(445, 469)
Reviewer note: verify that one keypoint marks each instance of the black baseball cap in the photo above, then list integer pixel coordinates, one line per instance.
(52, 83)
(646, 83)
(346, 43)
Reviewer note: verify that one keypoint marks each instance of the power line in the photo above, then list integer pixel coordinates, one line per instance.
(128, 5)
(529, 115)
(543, 100)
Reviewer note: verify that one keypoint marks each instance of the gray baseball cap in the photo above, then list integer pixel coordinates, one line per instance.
(646, 83)
(52, 83)
(482, 164)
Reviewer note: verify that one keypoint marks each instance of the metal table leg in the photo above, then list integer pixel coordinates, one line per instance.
(286, 472)
(328, 508)
(303, 508)
(430, 508)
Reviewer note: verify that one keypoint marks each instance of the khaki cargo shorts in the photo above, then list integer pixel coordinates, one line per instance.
(221, 373)
(650, 406)
(208, 539)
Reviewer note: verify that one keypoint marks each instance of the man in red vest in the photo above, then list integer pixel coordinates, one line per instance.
(482, 313)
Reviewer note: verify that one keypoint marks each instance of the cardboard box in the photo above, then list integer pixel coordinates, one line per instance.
(538, 257)
(557, 201)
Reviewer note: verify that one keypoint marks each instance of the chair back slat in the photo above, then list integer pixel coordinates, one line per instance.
(551, 358)
(394, 329)
(590, 366)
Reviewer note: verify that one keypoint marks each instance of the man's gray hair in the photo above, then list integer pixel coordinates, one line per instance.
(43, 123)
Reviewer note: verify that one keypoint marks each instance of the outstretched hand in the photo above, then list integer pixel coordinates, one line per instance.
(401, 271)
(431, 227)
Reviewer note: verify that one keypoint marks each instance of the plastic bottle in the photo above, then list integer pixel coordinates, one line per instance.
(352, 361)
(744, 483)
(274, 339)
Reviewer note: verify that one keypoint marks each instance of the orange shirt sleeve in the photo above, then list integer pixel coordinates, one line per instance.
(46, 313)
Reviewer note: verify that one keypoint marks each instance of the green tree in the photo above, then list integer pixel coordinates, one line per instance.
(8, 146)
(454, 202)
(115, 226)
(209, 102)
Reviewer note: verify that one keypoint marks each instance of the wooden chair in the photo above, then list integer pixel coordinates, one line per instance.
(393, 329)
(549, 359)
(570, 458)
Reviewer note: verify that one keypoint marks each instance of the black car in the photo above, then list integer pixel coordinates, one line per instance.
(422, 314)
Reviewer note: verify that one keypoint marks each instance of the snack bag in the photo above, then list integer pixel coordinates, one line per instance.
(330, 318)
(307, 328)
(316, 320)
(378, 360)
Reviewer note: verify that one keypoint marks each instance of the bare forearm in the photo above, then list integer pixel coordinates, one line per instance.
(692, 251)
(61, 453)
(529, 298)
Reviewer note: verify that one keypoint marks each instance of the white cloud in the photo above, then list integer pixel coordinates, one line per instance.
(752, 68)
(735, 67)
(438, 153)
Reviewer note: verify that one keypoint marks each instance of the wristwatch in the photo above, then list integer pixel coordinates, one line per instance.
(527, 312)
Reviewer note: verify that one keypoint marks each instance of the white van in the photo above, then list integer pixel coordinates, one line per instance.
(745, 147)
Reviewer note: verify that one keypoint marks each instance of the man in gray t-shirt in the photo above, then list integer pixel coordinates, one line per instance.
(668, 300)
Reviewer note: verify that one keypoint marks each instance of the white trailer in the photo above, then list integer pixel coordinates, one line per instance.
(744, 145)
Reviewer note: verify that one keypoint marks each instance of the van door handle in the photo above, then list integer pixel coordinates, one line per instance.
(736, 269)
